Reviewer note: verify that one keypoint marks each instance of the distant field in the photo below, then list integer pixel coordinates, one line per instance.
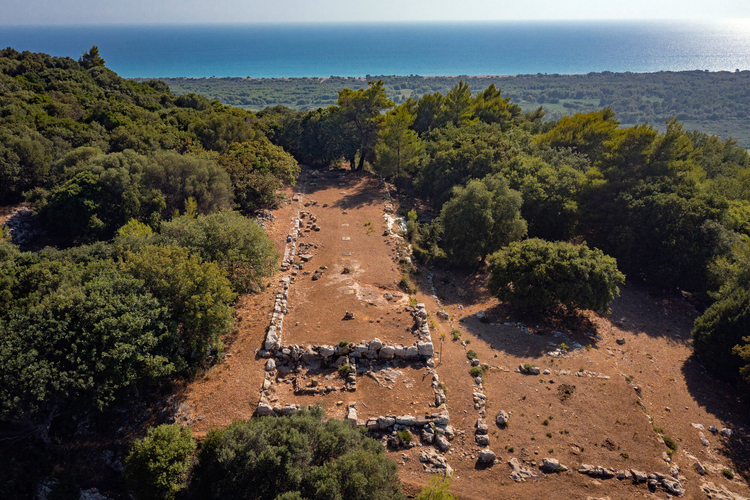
(717, 103)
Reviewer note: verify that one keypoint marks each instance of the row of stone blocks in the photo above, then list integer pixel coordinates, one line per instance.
(375, 349)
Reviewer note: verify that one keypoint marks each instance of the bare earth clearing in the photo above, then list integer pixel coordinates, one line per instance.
(601, 403)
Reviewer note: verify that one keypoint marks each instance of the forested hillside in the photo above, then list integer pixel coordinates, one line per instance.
(716, 103)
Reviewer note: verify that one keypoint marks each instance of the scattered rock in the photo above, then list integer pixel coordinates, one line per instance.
(719, 492)
(442, 443)
(550, 465)
(620, 341)
(349, 315)
(519, 473)
(270, 365)
(502, 418)
(487, 456)
(482, 428)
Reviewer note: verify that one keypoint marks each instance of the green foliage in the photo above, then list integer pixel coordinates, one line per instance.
(103, 192)
(670, 443)
(720, 336)
(399, 149)
(477, 371)
(266, 457)
(727, 474)
(345, 369)
(196, 293)
(438, 488)
(404, 436)
(536, 274)
(480, 219)
(238, 245)
(362, 109)
(457, 155)
(157, 465)
(75, 337)
(471, 354)
(258, 169)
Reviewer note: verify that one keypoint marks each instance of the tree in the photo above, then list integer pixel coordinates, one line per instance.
(399, 149)
(480, 218)
(456, 106)
(362, 108)
(157, 465)
(550, 196)
(490, 107)
(76, 337)
(428, 109)
(720, 335)
(535, 274)
(258, 169)
(298, 456)
(584, 133)
(196, 293)
(237, 244)
(91, 58)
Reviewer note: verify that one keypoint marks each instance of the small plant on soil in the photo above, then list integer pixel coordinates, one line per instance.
(467, 342)
(549, 435)
(412, 302)
(625, 455)
(476, 371)
(546, 422)
(564, 346)
(345, 369)
(343, 343)
(511, 449)
(671, 444)
(523, 397)
(533, 438)
(432, 325)
(471, 354)
(456, 334)
(443, 387)
(658, 430)
(551, 450)
(527, 367)
(649, 356)
(404, 436)
(581, 368)
(727, 473)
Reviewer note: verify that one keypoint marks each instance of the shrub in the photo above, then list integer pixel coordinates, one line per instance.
(345, 369)
(720, 336)
(157, 465)
(670, 443)
(535, 274)
(404, 436)
(727, 473)
(437, 489)
(456, 334)
(264, 458)
(477, 371)
(471, 354)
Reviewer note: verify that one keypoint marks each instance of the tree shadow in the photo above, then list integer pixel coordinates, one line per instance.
(724, 402)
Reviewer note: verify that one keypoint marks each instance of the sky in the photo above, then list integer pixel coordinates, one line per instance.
(66, 12)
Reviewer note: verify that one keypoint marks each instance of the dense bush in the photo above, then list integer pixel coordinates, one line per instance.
(536, 274)
(724, 326)
(74, 337)
(480, 219)
(157, 465)
(258, 169)
(300, 456)
(238, 245)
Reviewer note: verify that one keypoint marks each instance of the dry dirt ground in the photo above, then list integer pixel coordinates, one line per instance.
(601, 402)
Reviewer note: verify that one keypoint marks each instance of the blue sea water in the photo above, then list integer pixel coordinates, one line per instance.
(428, 49)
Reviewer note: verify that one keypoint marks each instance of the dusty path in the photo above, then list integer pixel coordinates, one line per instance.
(601, 403)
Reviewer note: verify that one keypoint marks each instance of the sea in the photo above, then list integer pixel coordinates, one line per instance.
(427, 49)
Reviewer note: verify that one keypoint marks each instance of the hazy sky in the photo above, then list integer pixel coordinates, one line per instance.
(19, 12)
